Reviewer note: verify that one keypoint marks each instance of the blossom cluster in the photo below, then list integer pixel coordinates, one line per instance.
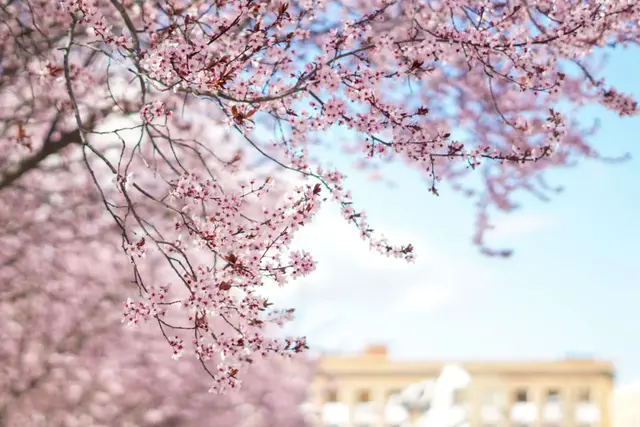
(249, 251)
(447, 87)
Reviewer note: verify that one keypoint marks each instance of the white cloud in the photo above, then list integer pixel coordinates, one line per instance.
(522, 223)
(427, 298)
(358, 295)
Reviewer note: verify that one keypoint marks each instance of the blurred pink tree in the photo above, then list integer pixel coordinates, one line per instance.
(66, 359)
(127, 98)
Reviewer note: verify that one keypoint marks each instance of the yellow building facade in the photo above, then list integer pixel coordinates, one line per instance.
(626, 406)
(564, 393)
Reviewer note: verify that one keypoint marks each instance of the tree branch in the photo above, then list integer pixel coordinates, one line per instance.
(13, 172)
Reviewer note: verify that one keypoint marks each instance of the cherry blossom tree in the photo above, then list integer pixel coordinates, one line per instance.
(67, 360)
(132, 90)
(108, 378)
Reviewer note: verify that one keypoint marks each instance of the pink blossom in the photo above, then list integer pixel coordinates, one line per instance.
(185, 95)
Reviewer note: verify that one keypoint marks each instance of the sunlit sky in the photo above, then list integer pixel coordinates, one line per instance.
(571, 288)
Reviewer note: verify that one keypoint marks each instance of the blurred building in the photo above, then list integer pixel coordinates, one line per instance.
(564, 393)
(626, 406)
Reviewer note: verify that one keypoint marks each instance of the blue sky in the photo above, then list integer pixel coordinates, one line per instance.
(572, 286)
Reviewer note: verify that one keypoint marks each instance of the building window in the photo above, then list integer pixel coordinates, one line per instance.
(521, 396)
(331, 396)
(363, 396)
(584, 395)
(553, 396)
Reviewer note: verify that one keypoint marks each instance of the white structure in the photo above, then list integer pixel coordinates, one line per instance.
(435, 400)
(524, 413)
(444, 412)
(335, 413)
(432, 400)
(365, 414)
